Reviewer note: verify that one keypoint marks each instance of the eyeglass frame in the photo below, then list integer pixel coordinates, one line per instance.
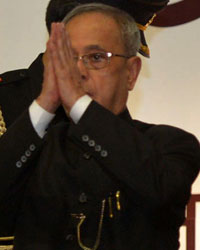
(109, 55)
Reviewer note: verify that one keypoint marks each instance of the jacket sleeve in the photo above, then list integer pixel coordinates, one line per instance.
(155, 167)
(19, 146)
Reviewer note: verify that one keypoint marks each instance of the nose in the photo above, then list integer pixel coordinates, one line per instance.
(82, 69)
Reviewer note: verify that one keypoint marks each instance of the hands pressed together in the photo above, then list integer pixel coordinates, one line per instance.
(62, 79)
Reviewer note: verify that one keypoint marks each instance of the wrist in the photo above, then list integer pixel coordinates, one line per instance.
(68, 104)
(47, 104)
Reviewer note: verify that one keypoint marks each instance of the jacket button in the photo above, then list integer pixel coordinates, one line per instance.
(19, 164)
(22, 74)
(91, 143)
(23, 158)
(69, 237)
(32, 147)
(97, 148)
(83, 198)
(86, 155)
(85, 138)
(28, 153)
(104, 153)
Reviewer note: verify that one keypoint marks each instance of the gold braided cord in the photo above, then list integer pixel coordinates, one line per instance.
(141, 27)
(8, 247)
(2, 124)
(82, 217)
(145, 49)
(144, 27)
(6, 238)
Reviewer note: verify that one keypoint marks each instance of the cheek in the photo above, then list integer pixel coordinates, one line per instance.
(107, 76)
(103, 83)
(100, 85)
(100, 80)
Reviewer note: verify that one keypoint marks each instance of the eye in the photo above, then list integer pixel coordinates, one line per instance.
(97, 57)
(75, 58)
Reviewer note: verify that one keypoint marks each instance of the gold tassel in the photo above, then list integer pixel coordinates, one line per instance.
(145, 49)
(110, 207)
(118, 201)
(144, 27)
(2, 124)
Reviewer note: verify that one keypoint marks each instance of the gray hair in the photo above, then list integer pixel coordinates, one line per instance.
(128, 27)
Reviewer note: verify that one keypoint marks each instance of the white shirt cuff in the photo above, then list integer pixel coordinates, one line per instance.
(79, 108)
(40, 118)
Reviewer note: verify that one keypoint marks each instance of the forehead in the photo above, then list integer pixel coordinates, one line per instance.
(94, 28)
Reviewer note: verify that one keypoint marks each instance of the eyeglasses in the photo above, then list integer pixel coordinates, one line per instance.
(98, 60)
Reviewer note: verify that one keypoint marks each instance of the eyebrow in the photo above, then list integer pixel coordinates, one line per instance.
(93, 47)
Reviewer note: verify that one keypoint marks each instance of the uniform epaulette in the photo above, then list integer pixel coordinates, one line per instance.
(13, 76)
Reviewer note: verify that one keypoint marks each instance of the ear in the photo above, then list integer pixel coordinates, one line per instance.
(134, 66)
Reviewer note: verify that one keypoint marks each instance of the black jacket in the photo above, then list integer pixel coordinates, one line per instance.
(44, 182)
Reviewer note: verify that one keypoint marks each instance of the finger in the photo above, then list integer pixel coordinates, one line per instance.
(67, 55)
(57, 65)
(53, 33)
(62, 55)
(69, 51)
(60, 45)
(68, 45)
(49, 74)
(56, 49)
(54, 44)
(72, 62)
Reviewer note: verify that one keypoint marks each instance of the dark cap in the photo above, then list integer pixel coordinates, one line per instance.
(143, 11)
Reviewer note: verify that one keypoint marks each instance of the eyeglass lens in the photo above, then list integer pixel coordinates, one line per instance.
(96, 60)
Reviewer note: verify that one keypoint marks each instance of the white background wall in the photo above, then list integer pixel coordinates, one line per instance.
(168, 90)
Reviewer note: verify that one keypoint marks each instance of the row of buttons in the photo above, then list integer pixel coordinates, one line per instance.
(25, 157)
(82, 199)
(97, 148)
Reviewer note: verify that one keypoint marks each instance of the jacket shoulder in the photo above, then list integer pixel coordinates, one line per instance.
(163, 132)
(13, 76)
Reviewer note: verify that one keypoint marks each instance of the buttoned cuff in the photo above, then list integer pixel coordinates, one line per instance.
(40, 118)
(79, 108)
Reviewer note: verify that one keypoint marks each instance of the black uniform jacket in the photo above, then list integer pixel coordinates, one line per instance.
(133, 177)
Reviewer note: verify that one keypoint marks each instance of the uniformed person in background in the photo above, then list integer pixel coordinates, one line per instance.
(81, 174)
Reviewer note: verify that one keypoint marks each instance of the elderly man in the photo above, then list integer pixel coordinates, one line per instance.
(100, 179)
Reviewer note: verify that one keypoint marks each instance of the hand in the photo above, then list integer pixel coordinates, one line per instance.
(67, 75)
(49, 98)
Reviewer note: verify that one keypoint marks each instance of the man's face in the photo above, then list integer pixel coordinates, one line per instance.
(109, 86)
